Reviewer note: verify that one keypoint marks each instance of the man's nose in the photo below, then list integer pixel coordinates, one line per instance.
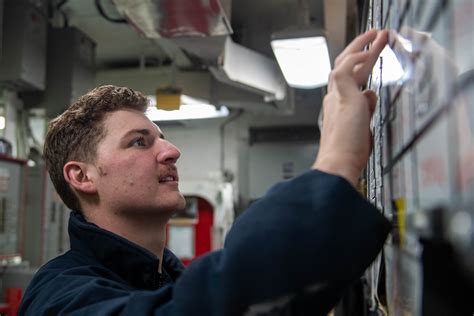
(167, 152)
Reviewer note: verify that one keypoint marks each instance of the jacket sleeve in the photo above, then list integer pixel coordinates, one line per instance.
(292, 252)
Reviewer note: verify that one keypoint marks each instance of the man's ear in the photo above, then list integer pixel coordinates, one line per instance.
(78, 175)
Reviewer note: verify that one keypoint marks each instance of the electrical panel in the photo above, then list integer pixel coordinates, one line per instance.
(70, 68)
(56, 219)
(12, 199)
(421, 172)
(23, 60)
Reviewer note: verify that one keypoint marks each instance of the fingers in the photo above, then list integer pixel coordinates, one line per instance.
(357, 44)
(377, 46)
(356, 63)
(351, 61)
(372, 98)
(362, 72)
(345, 70)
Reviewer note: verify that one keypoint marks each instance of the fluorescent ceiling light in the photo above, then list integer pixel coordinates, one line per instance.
(190, 109)
(304, 61)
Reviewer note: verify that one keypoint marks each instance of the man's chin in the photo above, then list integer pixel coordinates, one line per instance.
(175, 206)
(181, 204)
(165, 209)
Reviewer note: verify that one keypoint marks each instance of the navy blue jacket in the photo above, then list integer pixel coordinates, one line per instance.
(293, 252)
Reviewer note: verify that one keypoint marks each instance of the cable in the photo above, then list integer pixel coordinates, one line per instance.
(60, 4)
(237, 114)
(63, 14)
(65, 19)
(105, 16)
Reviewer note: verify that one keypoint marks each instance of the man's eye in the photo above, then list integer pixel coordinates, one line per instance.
(139, 142)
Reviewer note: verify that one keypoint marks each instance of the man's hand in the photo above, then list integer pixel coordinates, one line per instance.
(345, 137)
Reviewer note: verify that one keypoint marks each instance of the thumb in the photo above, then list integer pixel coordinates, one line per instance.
(372, 98)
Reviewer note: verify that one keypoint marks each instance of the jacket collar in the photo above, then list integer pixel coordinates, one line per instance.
(135, 264)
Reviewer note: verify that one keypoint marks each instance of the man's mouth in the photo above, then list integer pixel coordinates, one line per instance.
(168, 178)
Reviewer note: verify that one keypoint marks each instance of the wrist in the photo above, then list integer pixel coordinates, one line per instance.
(339, 167)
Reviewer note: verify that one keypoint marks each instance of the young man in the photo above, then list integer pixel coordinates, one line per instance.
(294, 251)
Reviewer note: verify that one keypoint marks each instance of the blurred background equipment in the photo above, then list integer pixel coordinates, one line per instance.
(419, 173)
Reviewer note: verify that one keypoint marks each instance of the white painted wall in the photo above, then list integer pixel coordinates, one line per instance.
(255, 168)
(275, 162)
(200, 146)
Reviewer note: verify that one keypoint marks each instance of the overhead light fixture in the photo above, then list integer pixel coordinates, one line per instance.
(190, 109)
(303, 57)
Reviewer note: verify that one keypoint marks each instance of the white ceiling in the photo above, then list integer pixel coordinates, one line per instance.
(120, 47)
(252, 22)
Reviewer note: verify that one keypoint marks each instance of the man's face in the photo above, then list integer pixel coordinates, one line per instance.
(136, 167)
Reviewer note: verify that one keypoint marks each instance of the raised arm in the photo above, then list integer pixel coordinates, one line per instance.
(298, 248)
(345, 137)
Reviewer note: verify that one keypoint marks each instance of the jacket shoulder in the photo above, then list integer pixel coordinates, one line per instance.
(62, 278)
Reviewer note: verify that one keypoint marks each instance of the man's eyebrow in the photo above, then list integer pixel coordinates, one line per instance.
(143, 131)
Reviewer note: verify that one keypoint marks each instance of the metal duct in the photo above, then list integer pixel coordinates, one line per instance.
(175, 18)
(247, 69)
(201, 28)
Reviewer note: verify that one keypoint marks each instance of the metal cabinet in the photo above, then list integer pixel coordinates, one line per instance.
(12, 206)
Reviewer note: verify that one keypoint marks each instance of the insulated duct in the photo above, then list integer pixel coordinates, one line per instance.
(244, 68)
(175, 18)
(201, 28)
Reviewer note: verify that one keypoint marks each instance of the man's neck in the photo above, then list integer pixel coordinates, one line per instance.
(146, 231)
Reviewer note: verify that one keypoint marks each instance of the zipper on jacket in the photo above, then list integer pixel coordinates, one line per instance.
(161, 280)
